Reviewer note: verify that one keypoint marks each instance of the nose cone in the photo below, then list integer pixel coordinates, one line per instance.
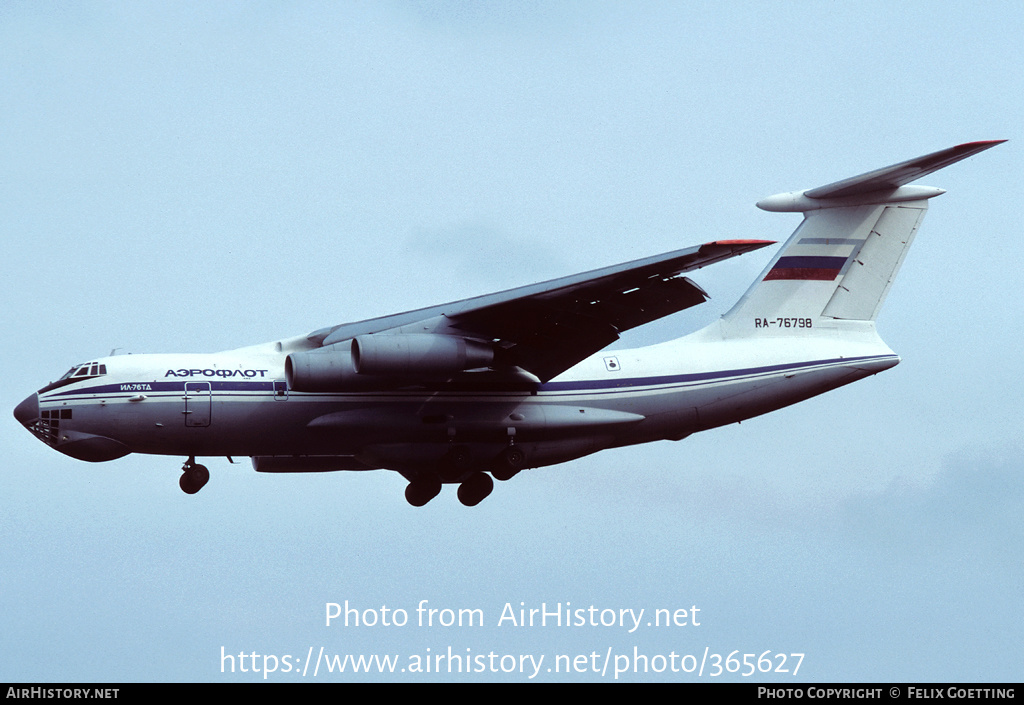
(27, 411)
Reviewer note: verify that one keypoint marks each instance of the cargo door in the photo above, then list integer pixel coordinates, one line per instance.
(197, 403)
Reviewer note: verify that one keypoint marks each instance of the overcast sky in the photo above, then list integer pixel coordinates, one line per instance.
(197, 177)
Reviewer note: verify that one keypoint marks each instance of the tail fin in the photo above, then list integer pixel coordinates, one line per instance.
(840, 263)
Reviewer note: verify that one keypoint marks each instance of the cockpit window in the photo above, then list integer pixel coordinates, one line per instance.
(89, 369)
(77, 374)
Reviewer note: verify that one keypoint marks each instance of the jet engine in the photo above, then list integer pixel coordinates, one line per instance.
(418, 354)
(326, 369)
(370, 360)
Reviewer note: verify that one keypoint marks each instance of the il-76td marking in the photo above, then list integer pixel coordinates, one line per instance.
(783, 323)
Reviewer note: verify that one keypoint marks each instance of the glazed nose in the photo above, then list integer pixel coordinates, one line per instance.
(27, 412)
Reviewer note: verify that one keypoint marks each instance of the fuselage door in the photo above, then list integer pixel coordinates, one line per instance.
(280, 390)
(197, 403)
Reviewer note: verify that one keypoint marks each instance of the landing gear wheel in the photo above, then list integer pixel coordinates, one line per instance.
(508, 463)
(422, 490)
(475, 489)
(193, 478)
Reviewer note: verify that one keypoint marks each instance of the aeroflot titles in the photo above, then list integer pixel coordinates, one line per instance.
(216, 373)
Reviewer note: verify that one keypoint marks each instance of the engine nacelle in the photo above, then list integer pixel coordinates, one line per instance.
(369, 361)
(416, 354)
(327, 369)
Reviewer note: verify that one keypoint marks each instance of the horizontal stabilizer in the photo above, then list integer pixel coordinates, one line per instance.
(892, 177)
(885, 185)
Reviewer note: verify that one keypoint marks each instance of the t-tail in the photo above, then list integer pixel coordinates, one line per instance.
(833, 274)
(807, 324)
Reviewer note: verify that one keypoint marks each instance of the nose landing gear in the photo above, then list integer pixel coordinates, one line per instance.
(193, 476)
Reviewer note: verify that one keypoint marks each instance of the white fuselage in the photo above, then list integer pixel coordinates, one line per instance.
(237, 403)
(487, 386)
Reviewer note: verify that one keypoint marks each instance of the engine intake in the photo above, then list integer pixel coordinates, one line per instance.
(323, 370)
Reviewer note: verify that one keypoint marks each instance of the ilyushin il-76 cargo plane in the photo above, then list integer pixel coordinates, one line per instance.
(485, 387)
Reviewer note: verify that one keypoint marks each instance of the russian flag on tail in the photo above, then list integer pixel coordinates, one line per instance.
(806, 268)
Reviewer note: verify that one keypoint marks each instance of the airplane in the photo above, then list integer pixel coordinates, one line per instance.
(480, 389)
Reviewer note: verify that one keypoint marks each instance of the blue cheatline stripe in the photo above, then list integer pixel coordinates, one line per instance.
(136, 387)
(582, 385)
(700, 376)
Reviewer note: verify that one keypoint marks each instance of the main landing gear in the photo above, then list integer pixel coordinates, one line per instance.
(193, 476)
(475, 488)
(474, 485)
(508, 463)
(423, 489)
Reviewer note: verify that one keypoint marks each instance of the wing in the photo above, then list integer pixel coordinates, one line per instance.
(547, 328)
